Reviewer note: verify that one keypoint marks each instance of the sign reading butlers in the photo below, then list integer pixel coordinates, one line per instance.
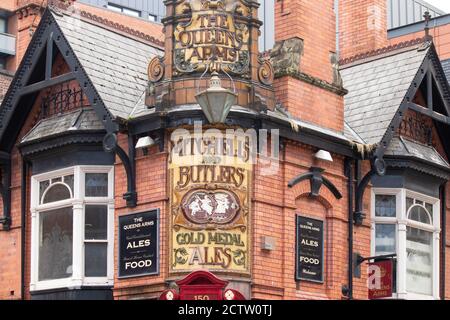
(216, 31)
(138, 244)
(210, 176)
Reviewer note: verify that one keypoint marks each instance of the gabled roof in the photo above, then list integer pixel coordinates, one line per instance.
(115, 63)
(108, 63)
(376, 88)
(382, 86)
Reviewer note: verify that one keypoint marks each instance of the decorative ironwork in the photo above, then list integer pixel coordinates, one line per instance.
(61, 99)
(417, 127)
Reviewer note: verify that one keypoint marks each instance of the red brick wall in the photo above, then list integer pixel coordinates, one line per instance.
(315, 25)
(275, 208)
(362, 26)
(151, 187)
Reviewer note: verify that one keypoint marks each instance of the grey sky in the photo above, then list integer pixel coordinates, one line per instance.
(444, 5)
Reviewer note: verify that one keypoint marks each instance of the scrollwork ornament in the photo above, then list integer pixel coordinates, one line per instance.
(265, 72)
(242, 66)
(181, 64)
(155, 69)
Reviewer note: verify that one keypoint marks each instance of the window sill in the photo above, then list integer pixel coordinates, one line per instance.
(411, 296)
(64, 284)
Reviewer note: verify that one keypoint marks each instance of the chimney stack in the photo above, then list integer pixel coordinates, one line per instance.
(362, 26)
(307, 82)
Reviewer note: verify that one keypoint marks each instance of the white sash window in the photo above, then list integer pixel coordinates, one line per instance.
(72, 228)
(408, 224)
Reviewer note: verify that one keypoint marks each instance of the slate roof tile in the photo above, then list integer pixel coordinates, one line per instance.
(376, 89)
(115, 63)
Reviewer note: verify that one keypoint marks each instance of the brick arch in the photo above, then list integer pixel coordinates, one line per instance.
(303, 189)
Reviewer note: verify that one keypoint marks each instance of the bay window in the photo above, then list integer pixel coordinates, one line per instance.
(72, 228)
(407, 224)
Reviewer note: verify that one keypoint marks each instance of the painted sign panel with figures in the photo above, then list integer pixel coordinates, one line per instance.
(210, 206)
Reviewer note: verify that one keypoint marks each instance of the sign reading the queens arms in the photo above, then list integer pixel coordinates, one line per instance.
(214, 31)
(210, 177)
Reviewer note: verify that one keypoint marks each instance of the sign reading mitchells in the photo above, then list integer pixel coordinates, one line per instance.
(309, 251)
(215, 31)
(210, 176)
(138, 244)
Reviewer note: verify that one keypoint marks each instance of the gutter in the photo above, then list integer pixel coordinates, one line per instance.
(349, 174)
(443, 237)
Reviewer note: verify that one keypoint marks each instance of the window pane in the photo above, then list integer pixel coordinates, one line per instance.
(409, 203)
(96, 222)
(96, 184)
(384, 239)
(2, 25)
(429, 208)
(385, 206)
(43, 185)
(419, 214)
(56, 192)
(419, 264)
(69, 181)
(95, 259)
(55, 244)
(115, 8)
(130, 12)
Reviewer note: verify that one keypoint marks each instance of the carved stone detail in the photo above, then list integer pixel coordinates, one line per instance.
(286, 55)
(337, 79)
(265, 71)
(155, 69)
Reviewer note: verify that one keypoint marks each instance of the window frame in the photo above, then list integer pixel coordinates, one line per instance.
(78, 203)
(124, 10)
(402, 222)
(5, 21)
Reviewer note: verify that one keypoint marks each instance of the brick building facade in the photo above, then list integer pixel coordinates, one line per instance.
(101, 201)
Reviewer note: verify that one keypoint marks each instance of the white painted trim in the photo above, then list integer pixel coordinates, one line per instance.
(78, 202)
(402, 223)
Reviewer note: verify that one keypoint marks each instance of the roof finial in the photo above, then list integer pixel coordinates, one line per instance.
(427, 17)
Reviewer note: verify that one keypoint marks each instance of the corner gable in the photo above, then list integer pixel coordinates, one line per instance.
(35, 74)
(381, 92)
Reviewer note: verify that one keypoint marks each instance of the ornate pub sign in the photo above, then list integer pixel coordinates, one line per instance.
(214, 33)
(210, 180)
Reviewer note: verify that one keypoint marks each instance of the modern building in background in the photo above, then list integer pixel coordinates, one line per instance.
(102, 198)
(404, 12)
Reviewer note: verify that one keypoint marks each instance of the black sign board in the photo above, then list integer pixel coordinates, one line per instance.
(139, 244)
(309, 249)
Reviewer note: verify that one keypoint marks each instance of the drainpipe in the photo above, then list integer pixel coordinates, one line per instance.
(23, 204)
(443, 236)
(336, 11)
(349, 175)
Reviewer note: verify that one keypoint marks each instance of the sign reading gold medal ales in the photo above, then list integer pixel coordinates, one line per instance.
(210, 204)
